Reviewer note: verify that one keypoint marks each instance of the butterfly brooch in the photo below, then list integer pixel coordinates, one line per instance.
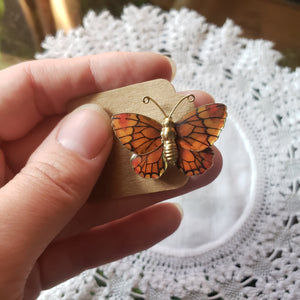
(185, 144)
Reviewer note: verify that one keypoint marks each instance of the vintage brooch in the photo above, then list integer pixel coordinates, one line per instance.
(186, 143)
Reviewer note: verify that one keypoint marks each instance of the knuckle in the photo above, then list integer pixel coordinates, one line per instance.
(53, 178)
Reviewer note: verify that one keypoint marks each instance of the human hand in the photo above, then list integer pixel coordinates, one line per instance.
(49, 163)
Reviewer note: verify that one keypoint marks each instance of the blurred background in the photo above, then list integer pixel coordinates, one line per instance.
(25, 23)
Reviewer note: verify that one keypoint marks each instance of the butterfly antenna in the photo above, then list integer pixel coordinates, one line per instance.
(147, 99)
(190, 97)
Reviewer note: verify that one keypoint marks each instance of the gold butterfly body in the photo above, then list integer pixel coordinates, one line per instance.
(168, 135)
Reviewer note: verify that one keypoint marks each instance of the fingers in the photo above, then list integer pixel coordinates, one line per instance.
(32, 90)
(52, 186)
(109, 242)
(18, 152)
(98, 213)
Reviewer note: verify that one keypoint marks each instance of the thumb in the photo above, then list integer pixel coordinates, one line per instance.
(58, 178)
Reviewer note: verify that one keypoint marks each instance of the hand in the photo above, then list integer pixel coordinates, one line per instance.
(49, 163)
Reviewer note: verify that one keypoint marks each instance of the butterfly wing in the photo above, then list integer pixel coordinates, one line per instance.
(196, 133)
(200, 128)
(141, 135)
(193, 162)
(138, 133)
(150, 165)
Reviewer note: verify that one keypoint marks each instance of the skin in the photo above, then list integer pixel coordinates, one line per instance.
(48, 230)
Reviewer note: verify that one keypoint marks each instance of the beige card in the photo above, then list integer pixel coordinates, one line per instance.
(118, 178)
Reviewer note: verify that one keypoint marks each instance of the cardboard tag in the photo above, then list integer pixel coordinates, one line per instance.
(118, 178)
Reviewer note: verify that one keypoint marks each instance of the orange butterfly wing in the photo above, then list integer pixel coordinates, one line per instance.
(193, 162)
(200, 128)
(196, 133)
(141, 135)
(151, 165)
(138, 133)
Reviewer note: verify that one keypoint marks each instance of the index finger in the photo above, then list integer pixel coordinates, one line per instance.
(32, 90)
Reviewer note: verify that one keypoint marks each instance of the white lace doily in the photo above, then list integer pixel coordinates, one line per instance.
(240, 237)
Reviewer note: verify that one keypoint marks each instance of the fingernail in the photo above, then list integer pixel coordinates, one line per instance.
(85, 130)
(173, 66)
(179, 207)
